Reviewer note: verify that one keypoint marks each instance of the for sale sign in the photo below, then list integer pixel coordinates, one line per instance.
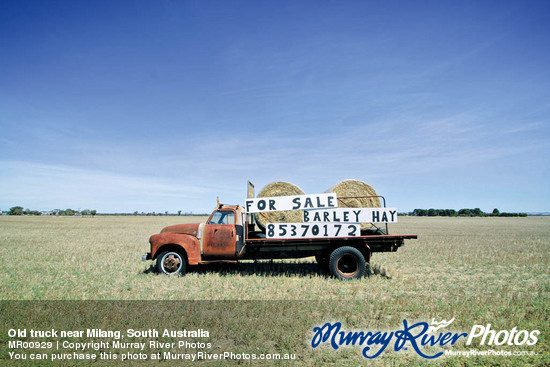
(352, 215)
(296, 202)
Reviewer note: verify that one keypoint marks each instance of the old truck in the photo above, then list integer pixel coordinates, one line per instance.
(230, 234)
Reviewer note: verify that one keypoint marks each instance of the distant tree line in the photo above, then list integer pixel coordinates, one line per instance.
(148, 214)
(19, 210)
(462, 213)
(179, 213)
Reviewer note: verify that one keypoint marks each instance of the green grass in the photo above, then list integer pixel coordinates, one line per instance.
(478, 270)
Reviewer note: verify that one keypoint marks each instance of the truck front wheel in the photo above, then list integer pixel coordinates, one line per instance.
(171, 262)
(347, 263)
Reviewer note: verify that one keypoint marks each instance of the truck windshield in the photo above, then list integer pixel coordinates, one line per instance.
(223, 218)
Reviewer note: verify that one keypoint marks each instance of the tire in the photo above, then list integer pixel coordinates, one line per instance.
(171, 262)
(347, 263)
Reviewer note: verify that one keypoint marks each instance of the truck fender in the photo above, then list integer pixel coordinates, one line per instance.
(188, 243)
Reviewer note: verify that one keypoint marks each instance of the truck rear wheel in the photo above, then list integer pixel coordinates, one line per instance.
(347, 263)
(171, 262)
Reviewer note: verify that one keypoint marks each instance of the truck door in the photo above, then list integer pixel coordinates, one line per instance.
(220, 235)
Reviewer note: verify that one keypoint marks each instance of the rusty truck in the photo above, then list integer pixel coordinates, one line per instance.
(230, 233)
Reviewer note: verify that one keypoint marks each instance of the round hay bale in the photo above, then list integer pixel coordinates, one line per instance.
(355, 188)
(279, 188)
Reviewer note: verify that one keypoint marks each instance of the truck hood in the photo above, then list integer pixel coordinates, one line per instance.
(190, 229)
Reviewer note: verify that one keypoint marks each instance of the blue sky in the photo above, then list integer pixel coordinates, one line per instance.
(164, 105)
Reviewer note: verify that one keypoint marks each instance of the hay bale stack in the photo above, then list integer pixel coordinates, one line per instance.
(279, 188)
(355, 188)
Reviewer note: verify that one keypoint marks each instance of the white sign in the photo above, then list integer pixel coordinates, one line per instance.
(352, 215)
(308, 230)
(296, 202)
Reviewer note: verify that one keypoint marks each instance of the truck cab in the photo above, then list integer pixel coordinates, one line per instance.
(224, 233)
(222, 237)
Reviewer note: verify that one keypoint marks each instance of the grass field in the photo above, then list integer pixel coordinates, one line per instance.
(477, 270)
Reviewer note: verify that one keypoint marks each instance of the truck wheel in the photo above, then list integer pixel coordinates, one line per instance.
(171, 262)
(347, 263)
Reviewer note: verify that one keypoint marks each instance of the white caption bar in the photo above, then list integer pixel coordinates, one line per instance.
(307, 230)
(296, 202)
(352, 215)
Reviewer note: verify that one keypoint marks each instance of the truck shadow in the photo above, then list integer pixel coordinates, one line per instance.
(263, 268)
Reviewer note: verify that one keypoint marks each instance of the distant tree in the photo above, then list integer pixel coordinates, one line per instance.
(166, 212)
(179, 212)
(465, 212)
(496, 212)
(420, 212)
(432, 212)
(450, 212)
(16, 210)
(93, 212)
(69, 211)
(477, 212)
(136, 212)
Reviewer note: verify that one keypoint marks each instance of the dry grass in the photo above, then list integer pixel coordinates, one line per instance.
(75, 258)
(478, 270)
